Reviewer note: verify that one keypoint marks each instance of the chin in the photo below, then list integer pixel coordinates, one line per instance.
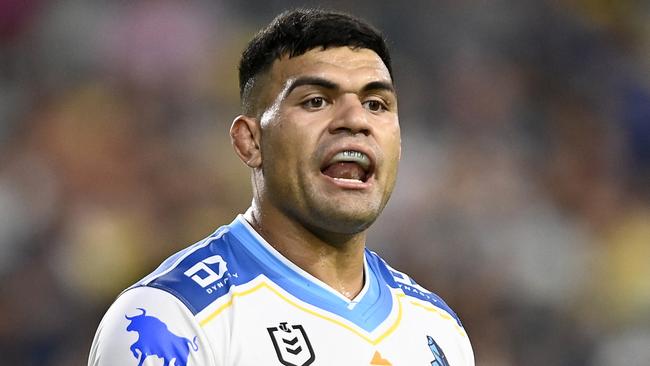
(347, 222)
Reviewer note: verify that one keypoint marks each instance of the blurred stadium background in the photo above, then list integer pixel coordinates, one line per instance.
(523, 196)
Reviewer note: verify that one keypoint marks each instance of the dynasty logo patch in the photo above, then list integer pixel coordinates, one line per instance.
(291, 345)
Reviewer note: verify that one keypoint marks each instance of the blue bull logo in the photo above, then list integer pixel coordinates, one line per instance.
(155, 339)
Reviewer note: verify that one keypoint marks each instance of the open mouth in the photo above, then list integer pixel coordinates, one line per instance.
(349, 165)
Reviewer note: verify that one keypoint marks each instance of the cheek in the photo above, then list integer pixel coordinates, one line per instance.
(283, 153)
(392, 154)
(393, 145)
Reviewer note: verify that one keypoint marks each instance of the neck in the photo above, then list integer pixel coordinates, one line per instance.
(335, 259)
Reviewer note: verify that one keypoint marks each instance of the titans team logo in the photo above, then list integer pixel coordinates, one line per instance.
(439, 358)
(291, 345)
(155, 339)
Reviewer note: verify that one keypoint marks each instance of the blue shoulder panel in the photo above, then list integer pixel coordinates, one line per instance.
(202, 273)
(400, 280)
(235, 255)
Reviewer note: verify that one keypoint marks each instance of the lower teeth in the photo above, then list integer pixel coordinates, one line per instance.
(349, 180)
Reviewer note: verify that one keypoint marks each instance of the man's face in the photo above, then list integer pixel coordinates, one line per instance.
(330, 140)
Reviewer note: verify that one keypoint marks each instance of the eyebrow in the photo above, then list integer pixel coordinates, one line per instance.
(310, 80)
(327, 84)
(379, 85)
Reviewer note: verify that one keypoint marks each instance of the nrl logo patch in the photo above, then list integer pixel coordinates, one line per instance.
(291, 345)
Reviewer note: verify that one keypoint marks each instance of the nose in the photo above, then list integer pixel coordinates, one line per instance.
(351, 117)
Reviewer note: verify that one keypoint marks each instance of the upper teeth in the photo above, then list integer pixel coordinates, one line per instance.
(352, 156)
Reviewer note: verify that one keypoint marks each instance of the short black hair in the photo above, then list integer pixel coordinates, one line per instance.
(297, 31)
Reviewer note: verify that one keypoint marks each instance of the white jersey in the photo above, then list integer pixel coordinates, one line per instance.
(233, 300)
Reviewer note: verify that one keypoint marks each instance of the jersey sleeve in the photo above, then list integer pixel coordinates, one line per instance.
(149, 326)
(467, 351)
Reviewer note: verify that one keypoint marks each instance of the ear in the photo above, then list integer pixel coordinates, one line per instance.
(245, 137)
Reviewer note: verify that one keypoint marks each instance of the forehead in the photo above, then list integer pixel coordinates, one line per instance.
(351, 68)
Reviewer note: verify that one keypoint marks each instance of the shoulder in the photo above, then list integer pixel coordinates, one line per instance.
(205, 271)
(156, 316)
(145, 321)
(412, 289)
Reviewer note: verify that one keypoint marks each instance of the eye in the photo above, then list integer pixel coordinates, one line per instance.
(315, 103)
(374, 105)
